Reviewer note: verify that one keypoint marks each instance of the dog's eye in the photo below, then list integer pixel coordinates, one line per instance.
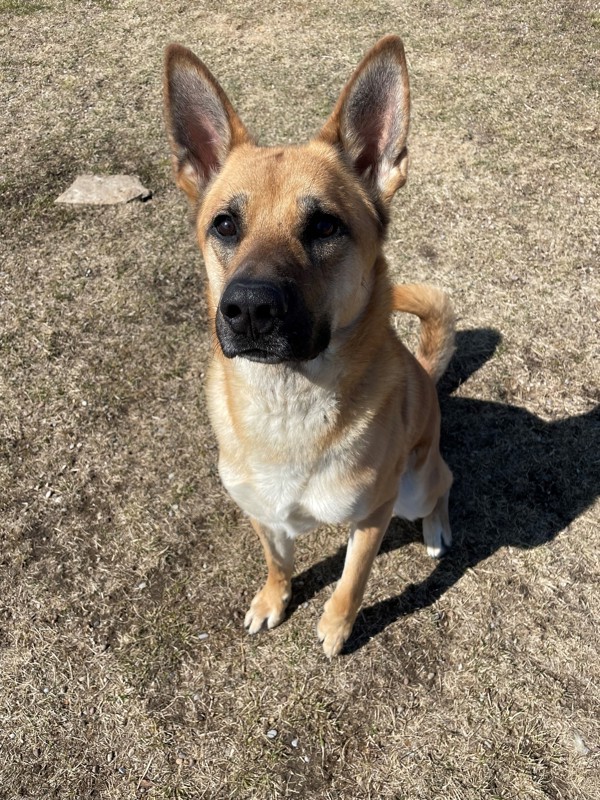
(323, 226)
(225, 226)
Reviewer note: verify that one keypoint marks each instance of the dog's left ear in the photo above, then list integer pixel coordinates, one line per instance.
(370, 119)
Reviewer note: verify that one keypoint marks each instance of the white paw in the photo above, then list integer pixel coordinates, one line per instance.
(436, 539)
(436, 551)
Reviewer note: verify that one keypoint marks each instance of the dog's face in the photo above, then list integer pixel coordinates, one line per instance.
(290, 236)
(289, 241)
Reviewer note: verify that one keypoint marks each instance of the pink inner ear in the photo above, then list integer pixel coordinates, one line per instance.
(204, 145)
(373, 117)
(377, 137)
(386, 127)
(200, 125)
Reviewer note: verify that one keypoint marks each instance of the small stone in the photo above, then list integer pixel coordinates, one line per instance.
(104, 190)
(271, 734)
(580, 746)
(111, 756)
(202, 636)
(294, 742)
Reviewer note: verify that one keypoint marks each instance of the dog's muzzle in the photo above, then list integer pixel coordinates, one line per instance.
(267, 321)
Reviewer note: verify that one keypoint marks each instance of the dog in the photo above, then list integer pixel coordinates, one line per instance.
(320, 412)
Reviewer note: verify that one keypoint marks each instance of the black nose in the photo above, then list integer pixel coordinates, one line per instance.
(253, 307)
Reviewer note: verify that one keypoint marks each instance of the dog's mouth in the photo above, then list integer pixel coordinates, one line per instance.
(260, 356)
(280, 350)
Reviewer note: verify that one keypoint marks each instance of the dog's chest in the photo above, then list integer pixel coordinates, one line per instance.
(277, 460)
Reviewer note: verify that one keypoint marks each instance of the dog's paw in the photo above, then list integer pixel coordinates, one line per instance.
(438, 546)
(437, 552)
(333, 630)
(268, 606)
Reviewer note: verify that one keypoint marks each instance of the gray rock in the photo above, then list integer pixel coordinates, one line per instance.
(101, 190)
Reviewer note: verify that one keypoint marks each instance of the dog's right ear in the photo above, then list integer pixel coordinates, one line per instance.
(202, 124)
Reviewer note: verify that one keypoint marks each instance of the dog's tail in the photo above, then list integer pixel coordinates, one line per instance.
(433, 307)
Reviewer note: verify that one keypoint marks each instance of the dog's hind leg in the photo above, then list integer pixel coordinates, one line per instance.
(423, 493)
(270, 603)
(342, 607)
(436, 528)
(436, 524)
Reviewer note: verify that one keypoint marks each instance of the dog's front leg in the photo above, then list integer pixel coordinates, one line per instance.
(342, 607)
(270, 603)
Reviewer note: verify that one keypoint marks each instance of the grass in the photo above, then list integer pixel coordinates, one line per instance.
(125, 571)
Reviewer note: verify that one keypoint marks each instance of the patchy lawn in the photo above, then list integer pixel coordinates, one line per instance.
(125, 571)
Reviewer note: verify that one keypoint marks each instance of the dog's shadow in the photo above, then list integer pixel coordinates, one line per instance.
(518, 481)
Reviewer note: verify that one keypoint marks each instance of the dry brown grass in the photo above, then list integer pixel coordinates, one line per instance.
(473, 678)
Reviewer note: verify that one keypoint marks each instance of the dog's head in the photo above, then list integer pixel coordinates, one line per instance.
(290, 235)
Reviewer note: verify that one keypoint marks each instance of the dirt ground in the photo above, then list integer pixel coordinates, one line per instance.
(125, 571)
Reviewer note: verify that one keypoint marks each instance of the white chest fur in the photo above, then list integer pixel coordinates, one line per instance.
(276, 459)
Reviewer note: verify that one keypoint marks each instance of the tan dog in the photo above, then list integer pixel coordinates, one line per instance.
(321, 414)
